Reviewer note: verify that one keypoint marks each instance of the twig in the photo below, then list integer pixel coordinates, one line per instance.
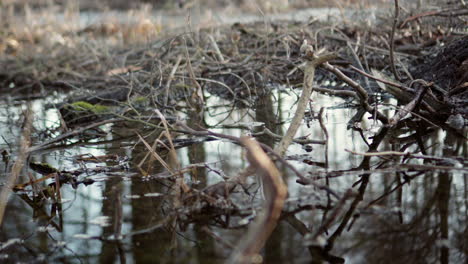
(392, 41)
(154, 154)
(70, 134)
(334, 215)
(409, 107)
(336, 92)
(360, 91)
(376, 49)
(217, 237)
(443, 13)
(416, 114)
(402, 154)
(402, 87)
(197, 95)
(268, 132)
(170, 78)
(216, 48)
(404, 95)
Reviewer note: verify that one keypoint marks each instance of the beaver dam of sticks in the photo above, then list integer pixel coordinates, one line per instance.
(274, 142)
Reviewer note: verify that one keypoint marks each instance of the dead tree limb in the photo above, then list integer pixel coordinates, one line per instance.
(19, 163)
(362, 93)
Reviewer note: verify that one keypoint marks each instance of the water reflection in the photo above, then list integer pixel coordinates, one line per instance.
(394, 214)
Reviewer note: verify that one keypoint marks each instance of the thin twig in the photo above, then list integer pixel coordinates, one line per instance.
(216, 48)
(170, 78)
(392, 42)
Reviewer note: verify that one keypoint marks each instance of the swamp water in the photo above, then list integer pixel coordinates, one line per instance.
(129, 214)
(122, 216)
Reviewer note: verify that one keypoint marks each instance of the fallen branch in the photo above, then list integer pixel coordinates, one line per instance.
(309, 72)
(360, 91)
(275, 194)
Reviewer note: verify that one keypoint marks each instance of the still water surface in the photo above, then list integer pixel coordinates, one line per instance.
(118, 219)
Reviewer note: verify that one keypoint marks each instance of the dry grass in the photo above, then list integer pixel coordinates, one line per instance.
(39, 53)
(31, 27)
(39, 26)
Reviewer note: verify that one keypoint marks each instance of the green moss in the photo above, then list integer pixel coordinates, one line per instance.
(101, 108)
(140, 99)
(85, 106)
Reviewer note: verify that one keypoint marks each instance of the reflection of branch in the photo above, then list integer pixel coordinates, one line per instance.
(334, 215)
(408, 155)
(398, 186)
(432, 167)
(232, 182)
(275, 195)
(216, 237)
(188, 130)
(72, 133)
(39, 211)
(365, 164)
(349, 213)
(268, 132)
(318, 254)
